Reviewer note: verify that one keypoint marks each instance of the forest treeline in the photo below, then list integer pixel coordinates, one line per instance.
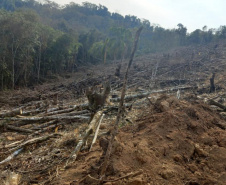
(38, 40)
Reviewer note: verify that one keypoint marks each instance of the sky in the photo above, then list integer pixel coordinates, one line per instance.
(193, 14)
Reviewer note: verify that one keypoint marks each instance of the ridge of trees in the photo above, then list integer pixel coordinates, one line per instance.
(40, 40)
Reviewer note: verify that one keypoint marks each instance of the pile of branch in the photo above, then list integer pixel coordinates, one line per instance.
(32, 121)
(42, 118)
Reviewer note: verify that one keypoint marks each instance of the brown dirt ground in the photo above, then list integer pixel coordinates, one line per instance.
(172, 141)
(175, 142)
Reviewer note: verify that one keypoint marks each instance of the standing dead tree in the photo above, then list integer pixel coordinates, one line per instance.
(212, 86)
(117, 70)
(120, 110)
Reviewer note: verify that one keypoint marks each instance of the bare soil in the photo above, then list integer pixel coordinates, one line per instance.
(169, 141)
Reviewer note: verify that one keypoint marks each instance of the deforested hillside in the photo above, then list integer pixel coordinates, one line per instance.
(172, 130)
(91, 97)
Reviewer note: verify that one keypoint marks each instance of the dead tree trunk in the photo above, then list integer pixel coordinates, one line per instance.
(96, 100)
(120, 110)
(212, 86)
(117, 71)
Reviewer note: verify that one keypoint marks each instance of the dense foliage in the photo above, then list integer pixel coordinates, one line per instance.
(39, 40)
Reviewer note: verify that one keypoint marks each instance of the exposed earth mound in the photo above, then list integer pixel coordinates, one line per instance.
(171, 142)
(174, 142)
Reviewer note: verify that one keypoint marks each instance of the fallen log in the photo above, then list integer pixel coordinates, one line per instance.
(131, 97)
(47, 118)
(34, 140)
(11, 113)
(6, 127)
(75, 113)
(73, 108)
(96, 131)
(47, 128)
(46, 124)
(25, 113)
(22, 122)
(12, 145)
(92, 127)
(142, 95)
(212, 102)
(19, 111)
(17, 129)
(51, 111)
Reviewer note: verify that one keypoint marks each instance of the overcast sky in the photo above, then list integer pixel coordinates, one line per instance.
(194, 14)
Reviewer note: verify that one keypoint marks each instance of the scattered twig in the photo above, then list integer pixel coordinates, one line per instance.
(14, 154)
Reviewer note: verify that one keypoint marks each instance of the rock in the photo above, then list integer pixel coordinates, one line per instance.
(164, 106)
(167, 174)
(199, 151)
(177, 158)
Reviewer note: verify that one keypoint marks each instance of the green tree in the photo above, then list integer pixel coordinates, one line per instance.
(120, 42)
(182, 32)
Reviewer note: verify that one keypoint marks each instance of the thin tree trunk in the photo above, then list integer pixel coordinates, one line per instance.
(105, 54)
(13, 63)
(2, 76)
(39, 60)
(212, 86)
(2, 81)
(120, 110)
(25, 68)
(13, 70)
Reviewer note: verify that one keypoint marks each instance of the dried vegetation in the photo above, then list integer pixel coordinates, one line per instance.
(161, 140)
